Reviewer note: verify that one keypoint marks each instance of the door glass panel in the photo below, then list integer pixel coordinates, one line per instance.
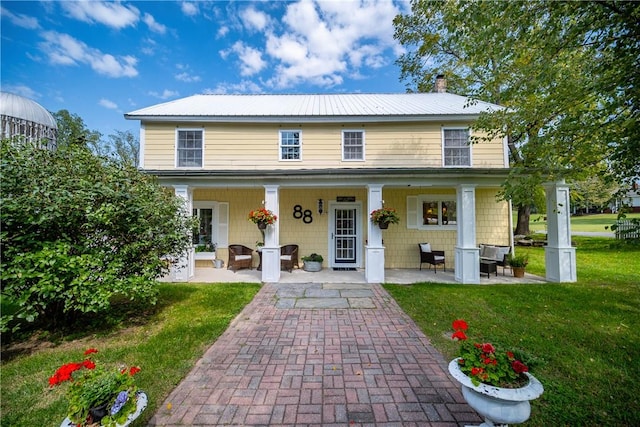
(345, 236)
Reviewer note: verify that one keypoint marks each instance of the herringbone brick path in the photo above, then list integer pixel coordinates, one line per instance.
(318, 367)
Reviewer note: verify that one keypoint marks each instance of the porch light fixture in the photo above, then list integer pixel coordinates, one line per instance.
(320, 206)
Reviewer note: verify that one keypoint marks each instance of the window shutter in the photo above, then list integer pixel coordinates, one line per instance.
(223, 225)
(412, 212)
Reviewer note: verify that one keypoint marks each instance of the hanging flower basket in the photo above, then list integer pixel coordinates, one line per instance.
(262, 217)
(384, 216)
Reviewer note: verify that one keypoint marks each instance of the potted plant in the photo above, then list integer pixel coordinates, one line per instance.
(384, 216)
(262, 217)
(206, 251)
(518, 264)
(99, 396)
(496, 383)
(312, 262)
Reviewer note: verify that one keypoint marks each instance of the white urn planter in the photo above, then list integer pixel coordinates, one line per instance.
(498, 406)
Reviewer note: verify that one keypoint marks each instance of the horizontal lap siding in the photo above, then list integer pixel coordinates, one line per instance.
(256, 146)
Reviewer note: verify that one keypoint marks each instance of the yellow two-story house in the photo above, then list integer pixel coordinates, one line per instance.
(322, 163)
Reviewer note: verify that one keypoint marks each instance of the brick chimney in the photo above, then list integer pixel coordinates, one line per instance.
(440, 85)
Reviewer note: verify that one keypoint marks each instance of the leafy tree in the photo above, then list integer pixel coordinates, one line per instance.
(592, 191)
(565, 71)
(121, 146)
(78, 231)
(72, 130)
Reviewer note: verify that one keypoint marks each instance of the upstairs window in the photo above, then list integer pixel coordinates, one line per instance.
(189, 148)
(456, 147)
(289, 145)
(352, 145)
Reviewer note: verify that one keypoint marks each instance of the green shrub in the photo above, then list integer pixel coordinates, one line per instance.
(78, 230)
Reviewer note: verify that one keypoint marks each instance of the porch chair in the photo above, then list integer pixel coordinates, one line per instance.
(431, 257)
(289, 257)
(239, 257)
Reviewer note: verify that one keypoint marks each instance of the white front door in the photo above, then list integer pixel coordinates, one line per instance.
(345, 235)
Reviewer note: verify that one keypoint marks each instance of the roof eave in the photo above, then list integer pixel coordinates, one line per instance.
(304, 119)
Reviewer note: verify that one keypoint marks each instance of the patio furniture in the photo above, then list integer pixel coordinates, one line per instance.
(289, 257)
(239, 257)
(429, 256)
(497, 253)
(488, 266)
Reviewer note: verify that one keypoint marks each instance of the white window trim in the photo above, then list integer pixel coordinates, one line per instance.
(468, 129)
(219, 221)
(363, 145)
(176, 148)
(299, 131)
(421, 198)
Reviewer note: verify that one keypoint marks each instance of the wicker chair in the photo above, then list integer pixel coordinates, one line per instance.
(431, 257)
(289, 257)
(239, 257)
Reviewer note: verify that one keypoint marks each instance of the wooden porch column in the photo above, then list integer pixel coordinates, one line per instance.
(467, 262)
(185, 268)
(559, 255)
(374, 268)
(271, 248)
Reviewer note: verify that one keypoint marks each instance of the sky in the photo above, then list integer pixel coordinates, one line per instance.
(100, 60)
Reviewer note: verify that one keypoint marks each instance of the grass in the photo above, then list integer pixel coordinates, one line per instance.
(583, 336)
(188, 319)
(591, 222)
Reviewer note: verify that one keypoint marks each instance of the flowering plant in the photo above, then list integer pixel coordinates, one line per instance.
(385, 215)
(97, 396)
(262, 215)
(483, 363)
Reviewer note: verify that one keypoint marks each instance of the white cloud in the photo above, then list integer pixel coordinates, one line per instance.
(222, 31)
(108, 104)
(253, 19)
(111, 14)
(153, 24)
(22, 90)
(319, 42)
(166, 94)
(251, 61)
(245, 86)
(20, 19)
(189, 8)
(62, 49)
(187, 78)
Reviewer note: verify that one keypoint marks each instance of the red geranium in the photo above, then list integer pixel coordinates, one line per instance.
(483, 363)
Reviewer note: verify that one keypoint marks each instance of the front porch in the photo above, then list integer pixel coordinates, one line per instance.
(392, 275)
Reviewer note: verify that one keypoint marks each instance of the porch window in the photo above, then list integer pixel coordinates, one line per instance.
(352, 145)
(429, 212)
(212, 225)
(438, 213)
(289, 145)
(456, 147)
(189, 148)
(203, 232)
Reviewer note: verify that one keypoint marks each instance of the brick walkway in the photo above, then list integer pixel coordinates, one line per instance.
(351, 366)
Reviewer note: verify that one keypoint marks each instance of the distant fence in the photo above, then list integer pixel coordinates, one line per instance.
(627, 229)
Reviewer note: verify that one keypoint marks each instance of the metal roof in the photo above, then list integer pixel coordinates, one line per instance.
(23, 108)
(315, 107)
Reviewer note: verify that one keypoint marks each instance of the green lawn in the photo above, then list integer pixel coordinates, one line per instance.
(165, 344)
(591, 222)
(584, 336)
